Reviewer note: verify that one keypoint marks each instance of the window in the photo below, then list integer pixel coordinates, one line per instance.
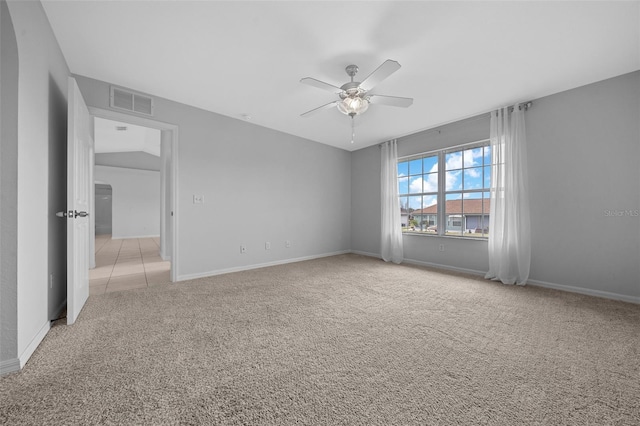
(418, 190)
(447, 192)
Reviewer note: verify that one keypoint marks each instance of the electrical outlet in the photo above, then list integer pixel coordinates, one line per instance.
(243, 249)
(441, 247)
(287, 243)
(198, 199)
(267, 245)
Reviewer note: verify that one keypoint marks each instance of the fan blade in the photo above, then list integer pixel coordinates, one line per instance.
(320, 108)
(321, 85)
(391, 100)
(387, 68)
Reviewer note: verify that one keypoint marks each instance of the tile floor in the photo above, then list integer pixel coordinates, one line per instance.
(127, 264)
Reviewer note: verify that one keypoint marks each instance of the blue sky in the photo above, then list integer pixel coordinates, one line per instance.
(464, 170)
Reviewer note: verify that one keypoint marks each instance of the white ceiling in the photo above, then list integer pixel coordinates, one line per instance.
(113, 136)
(240, 58)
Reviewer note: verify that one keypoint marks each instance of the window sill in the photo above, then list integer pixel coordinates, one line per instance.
(455, 237)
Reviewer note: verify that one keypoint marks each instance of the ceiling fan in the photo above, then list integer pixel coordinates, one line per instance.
(354, 97)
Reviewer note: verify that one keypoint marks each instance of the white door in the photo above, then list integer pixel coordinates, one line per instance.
(79, 157)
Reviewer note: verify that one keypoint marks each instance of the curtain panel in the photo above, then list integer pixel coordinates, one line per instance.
(391, 235)
(509, 222)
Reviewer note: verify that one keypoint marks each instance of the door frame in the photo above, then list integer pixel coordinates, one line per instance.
(173, 182)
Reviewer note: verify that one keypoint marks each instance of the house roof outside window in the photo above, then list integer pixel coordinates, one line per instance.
(472, 206)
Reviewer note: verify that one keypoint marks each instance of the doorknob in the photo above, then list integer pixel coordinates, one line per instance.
(72, 214)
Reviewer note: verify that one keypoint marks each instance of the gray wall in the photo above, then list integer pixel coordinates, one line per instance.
(135, 201)
(584, 148)
(9, 191)
(365, 200)
(583, 152)
(41, 188)
(259, 185)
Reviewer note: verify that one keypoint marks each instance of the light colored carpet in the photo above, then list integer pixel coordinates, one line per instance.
(345, 340)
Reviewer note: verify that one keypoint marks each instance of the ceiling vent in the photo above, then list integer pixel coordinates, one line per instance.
(130, 101)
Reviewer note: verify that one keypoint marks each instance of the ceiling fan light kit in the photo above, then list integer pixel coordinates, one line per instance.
(355, 96)
(354, 99)
(353, 104)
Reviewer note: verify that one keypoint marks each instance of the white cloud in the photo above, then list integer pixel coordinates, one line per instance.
(424, 185)
(415, 185)
(454, 161)
(474, 173)
(431, 200)
(453, 179)
(471, 157)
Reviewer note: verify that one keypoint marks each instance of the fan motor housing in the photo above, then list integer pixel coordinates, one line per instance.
(351, 70)
(351, 86)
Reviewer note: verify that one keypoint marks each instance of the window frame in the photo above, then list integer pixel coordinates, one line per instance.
(422, 193)
(441, 195)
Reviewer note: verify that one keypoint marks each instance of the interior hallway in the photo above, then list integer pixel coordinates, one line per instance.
(126, 264)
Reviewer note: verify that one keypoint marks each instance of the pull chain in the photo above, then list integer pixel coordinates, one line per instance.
(353, 129)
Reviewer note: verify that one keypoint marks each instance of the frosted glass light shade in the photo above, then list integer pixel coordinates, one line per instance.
(353, 105)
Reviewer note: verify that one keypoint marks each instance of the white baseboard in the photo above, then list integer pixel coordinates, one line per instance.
(445, 267)
(33, 345)
(537, 283)
(427, 264)
(257, 266)
(585, 291)
(9, 366)
(364, 253)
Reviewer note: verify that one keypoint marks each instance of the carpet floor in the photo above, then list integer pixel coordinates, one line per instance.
(343, 340)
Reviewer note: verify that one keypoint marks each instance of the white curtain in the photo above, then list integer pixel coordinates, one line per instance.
(509, 221)
(391, 238)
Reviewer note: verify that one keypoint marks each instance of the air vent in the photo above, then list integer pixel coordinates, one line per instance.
(130, 101)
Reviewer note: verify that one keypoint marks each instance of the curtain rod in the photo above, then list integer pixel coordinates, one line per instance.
(523, 105)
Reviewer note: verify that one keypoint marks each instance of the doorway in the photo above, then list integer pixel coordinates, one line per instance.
(138, 234)
(103, 209)
(127, 175)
